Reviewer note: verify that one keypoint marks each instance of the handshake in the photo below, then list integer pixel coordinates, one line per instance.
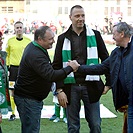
(74, 64)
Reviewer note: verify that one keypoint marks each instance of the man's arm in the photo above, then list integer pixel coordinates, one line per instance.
(57, 64)
(57, 61)
(98, 69)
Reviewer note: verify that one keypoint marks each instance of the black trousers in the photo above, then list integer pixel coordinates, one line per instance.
(13, 74)
(0, 130)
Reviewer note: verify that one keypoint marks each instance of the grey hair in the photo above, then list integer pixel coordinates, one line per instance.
(124, 27)
(40, 32)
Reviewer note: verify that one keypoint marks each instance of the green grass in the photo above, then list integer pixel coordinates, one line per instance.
(111, 125)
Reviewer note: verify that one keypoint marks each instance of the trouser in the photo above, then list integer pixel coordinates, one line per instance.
(130, 119)
(12, 77)
(130, 108)
(30, 114)
(0, 130)
(92, 111)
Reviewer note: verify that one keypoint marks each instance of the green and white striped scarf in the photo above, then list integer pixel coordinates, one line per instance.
(92, 56)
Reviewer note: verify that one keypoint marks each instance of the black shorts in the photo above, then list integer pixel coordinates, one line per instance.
(13, 74)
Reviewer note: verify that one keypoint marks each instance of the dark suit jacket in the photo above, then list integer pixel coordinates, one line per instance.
(95, 88)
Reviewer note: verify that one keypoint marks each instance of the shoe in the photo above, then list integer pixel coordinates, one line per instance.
(53, 117)
(65, 120)
(57, 119)
(12, 118)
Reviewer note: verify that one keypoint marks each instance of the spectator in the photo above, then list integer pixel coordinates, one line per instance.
(4, 83)
(58, 108)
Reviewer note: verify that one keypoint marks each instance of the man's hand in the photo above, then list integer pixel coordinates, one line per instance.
(106, 89)
(62, 99)
(74, 64)
(123, 109)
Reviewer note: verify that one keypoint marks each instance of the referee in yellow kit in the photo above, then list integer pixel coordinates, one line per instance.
(14, 49)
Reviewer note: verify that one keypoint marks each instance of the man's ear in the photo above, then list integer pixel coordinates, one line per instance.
(39, 38)
(70, 17)
(122, 34)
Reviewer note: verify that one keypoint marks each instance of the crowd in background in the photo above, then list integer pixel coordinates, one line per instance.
(105, 28)
(30, 27)
(104, 25)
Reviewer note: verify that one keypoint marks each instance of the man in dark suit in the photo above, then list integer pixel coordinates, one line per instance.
(85, 45)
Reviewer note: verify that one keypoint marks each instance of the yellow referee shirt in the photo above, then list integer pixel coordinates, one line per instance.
(15, 50)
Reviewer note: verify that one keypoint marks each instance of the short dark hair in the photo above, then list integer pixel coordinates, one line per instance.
(40, 32)
(76, 6)
(18, 22)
